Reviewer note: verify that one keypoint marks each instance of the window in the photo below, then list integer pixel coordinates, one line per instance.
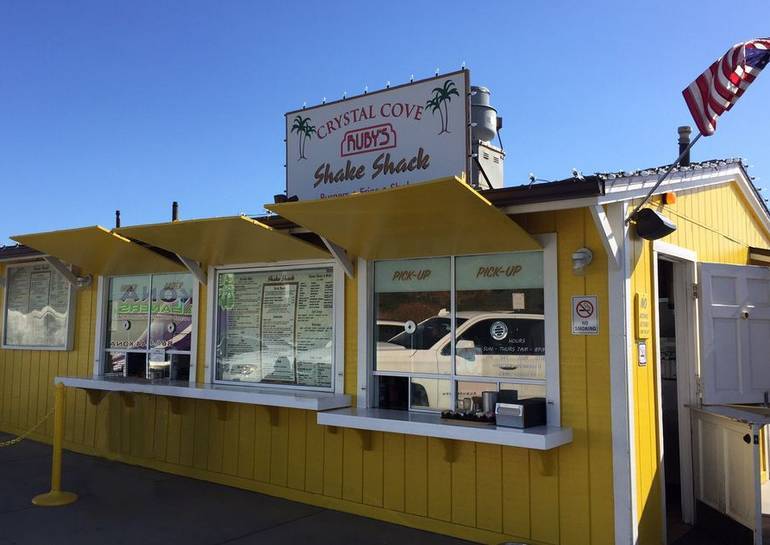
(275, 327)
(38, 308)
(468, 324)
(150, 326)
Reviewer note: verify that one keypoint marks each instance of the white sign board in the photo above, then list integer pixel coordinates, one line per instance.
(406, 134)
(585, 315)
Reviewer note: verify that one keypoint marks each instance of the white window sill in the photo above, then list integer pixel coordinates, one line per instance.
(432, 425)
(311, 401)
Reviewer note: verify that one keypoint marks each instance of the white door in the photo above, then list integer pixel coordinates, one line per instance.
(724, 465)
(735, 333)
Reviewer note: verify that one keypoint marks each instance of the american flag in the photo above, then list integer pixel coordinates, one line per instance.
(717, 89)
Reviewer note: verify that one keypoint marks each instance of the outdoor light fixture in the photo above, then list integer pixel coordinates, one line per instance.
(581, 258)
(651, 225)
(280, 198)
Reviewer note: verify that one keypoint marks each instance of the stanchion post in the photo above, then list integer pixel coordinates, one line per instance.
(56, 497)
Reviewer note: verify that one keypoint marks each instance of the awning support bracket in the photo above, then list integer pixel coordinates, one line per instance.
(274, 414)
(75, 281)
(609, 241)
(175, 404)
(195, 269)
(450, 450)
(221, 410)
(128, 399)
(340, 256)
(366, 439)
(95, 396)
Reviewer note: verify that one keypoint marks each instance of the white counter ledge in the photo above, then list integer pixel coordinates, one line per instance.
(311, 401)
(430, 425)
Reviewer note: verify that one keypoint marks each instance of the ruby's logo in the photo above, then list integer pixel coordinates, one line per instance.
(376, 137)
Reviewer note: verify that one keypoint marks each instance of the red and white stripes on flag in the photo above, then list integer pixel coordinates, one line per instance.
(717, 89)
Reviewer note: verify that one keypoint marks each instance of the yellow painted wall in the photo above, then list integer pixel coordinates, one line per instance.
(487, 493)
(719, 226)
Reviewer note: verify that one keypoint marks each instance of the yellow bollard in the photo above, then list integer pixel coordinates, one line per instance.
(56, 496)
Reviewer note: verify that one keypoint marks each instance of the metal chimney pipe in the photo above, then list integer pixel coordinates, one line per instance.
(174, 211)
(117, 219)
(684, 141)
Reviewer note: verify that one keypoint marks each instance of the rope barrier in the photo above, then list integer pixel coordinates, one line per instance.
(23, 436)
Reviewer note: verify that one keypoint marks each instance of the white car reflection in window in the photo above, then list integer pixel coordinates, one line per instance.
(387, 329)
(492, 344)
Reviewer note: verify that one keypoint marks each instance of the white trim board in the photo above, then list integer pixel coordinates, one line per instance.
(209, 356)
(609, 239)
(99, 334)
(364, 331)
(431, 425)
(655, 337)
(672, 250)
(551, 312)
(621, 383)
(311, 401)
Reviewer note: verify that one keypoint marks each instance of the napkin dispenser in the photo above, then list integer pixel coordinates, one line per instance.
(523, 413)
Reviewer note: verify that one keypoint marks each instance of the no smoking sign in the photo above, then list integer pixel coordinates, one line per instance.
(585, 319)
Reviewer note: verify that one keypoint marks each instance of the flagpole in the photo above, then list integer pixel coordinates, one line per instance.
(665, 175)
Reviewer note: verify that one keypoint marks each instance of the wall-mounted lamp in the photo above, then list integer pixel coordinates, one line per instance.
(652, 225)
(581, 258)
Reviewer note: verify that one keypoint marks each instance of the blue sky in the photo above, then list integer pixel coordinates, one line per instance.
(131, 105)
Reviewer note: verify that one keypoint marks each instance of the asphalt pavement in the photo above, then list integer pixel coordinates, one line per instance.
(123, 504)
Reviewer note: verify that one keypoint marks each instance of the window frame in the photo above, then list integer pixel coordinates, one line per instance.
(102, 321)
(366, 345)
(338, 324)
(71, 309)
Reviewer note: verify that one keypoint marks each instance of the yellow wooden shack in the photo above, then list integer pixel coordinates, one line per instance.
(352, 352)
(592, 475)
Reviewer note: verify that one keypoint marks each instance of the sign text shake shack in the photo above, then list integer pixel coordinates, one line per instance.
(406, 134)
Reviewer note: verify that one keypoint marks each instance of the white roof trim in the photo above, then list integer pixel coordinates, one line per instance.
(636, 187)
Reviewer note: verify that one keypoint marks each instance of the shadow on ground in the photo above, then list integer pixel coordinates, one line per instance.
(122, 504)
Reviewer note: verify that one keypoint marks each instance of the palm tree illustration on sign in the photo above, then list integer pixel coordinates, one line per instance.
(439, 102)
(304, 130)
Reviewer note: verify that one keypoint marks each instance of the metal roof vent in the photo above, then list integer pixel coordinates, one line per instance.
(483, 115)
(487, 168)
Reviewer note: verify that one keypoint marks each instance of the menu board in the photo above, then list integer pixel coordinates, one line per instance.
(277, 331)
(37, 300)
(276, 327)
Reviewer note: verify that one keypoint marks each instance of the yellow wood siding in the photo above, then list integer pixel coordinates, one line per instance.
(480, 492)
(717, 223)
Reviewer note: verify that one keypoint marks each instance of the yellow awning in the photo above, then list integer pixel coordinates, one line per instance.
(441, 217)
(224, 241)
(97, 250)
